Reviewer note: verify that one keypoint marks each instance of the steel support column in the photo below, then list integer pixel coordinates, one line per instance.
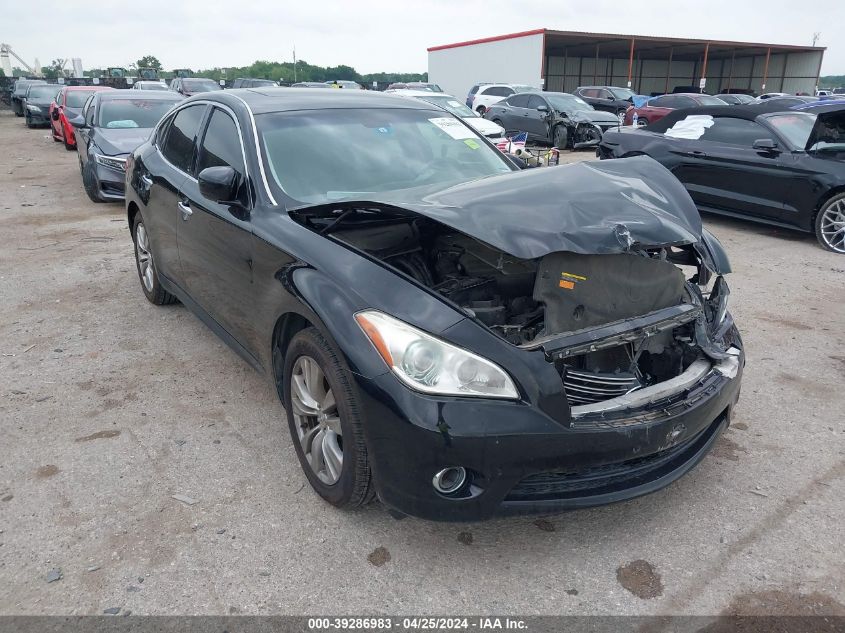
(630, 62)
(766, 69)
(669, 69)
(704, 66)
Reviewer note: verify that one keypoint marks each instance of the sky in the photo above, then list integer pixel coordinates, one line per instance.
(381, 35)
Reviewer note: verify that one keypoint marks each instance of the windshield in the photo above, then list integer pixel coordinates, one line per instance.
(568, 103)
(77, 98)
(372, 151)
(133, 113)
(200, 85)
(451, 104)
(41, 91)
(795, 128)
(707, 100)
(622, 93)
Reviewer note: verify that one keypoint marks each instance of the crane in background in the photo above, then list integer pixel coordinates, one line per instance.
(5, 51)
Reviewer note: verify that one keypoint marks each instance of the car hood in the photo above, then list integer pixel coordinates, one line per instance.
(596, 207)
(483, 126)
(121, 141)
(41, 103)
(594, 116)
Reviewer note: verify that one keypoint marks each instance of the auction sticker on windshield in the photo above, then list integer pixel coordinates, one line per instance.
(453, 127)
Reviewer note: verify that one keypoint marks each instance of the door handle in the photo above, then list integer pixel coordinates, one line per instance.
(185, 209)
(695, 153)
(146, 180)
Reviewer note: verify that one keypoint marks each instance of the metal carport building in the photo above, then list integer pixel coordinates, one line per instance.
(564, 60)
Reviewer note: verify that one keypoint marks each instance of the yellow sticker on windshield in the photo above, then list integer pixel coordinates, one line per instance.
(471, 143)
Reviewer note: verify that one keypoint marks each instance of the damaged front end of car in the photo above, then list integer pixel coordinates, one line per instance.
(604, 269)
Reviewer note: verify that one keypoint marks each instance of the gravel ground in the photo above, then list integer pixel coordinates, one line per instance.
(110, 406)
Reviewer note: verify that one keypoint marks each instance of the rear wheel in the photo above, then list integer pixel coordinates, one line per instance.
(147, 272)
(324, 420)
(830, 224)
(560, 137)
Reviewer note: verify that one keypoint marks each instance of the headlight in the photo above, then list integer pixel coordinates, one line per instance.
(118, 164)
(427, 364)
(33, 108)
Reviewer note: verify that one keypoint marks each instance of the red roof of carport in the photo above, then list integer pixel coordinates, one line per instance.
(484, 40)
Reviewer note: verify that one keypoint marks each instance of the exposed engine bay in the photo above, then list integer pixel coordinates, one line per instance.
(631, 320)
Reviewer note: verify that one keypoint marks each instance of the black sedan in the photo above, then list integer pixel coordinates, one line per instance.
(112, 124)
(559, 118)
(608, 98)
(19, 94)
(450, 334)
(36, 104)
(781, 168)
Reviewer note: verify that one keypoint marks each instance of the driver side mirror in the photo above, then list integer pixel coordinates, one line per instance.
(219, 184)
(766, 145)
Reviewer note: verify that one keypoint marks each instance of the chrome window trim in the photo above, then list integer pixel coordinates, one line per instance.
(258, 151)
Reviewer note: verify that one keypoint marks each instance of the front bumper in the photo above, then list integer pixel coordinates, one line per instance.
(533, 463)
(40, 117)
(111, 182)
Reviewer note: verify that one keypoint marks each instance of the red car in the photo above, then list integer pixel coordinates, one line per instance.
(658, 107)
(68, 105)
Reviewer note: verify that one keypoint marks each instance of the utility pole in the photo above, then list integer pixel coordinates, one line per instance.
(294, 63)
(816, 37)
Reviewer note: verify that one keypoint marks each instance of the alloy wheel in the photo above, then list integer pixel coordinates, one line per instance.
(145, 257)
(832, 226)
(317, 419)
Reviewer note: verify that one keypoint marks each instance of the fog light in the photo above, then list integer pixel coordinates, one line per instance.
(450, 480)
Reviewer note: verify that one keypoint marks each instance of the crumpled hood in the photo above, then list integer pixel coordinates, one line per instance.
(121, 141)
(595, 116)
(596, 207)
(41, 103)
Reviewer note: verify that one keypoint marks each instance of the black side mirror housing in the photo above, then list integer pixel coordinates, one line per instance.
(766, 145)
(219, 184)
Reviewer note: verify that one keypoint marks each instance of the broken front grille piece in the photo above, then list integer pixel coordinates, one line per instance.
(586, 387)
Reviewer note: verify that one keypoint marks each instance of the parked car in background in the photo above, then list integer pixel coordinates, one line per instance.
(19, 94)
(824, 93)
(187, 86)
(532, 361)
(658, 107)
(111, 125)
(782, 168)
(150, 85)
(488, 94)
(788, 101)
(473, 90)
(67, 106)
(771, 95)
(735, 98)
(310, 84)
(415, 85)
(37, 102)
(250, 82)
(486, 128)
(559, 118)
(607, 98)
(344, 83)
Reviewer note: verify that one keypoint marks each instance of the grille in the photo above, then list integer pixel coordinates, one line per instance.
(585, 387)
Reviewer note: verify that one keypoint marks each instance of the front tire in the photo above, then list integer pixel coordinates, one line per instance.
(89, 181)
(325, 423)
(147, 272)
(830, 224)
(560, 137)
(68, 146)
(28, 121)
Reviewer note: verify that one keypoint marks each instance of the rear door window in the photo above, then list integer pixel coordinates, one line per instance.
(734, 132)
(179, 145)
(519, 101)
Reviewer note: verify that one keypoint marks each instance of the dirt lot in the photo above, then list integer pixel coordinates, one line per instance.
(110, 406)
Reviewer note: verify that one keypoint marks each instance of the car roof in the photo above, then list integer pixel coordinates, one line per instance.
(262, 100)
(81, 88)
(409, 92)
(153, 95)
(748, 112)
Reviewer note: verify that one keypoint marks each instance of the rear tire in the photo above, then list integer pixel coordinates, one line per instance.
(829, 225)
(348, 485)
(147, 272)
